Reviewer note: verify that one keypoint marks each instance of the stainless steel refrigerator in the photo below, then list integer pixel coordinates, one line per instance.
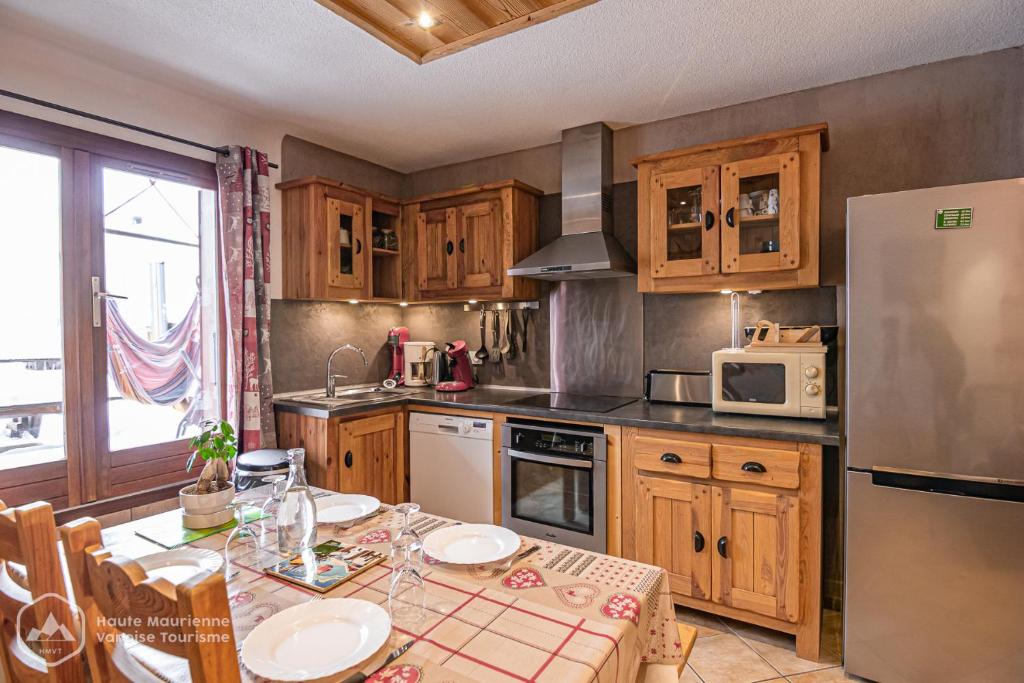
(935, 434)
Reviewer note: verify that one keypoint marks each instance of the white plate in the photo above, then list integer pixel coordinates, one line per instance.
(344, 507)
(316, 639)
(471, 543)
(178, 566)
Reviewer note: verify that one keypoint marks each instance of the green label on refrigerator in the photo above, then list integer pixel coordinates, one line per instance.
(954, 218)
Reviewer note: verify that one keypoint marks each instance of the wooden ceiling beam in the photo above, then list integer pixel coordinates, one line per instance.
(462, 23)
(517, 24)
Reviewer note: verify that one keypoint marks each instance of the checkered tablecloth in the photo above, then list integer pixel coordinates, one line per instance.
(560, 614)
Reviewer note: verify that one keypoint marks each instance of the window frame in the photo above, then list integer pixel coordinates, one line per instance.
(85, 475)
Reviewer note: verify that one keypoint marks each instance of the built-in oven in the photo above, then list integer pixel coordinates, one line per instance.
(554, 482)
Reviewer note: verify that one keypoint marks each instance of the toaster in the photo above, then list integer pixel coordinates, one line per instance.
(690, 387)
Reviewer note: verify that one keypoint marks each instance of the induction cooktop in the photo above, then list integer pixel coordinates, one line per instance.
(580, 402)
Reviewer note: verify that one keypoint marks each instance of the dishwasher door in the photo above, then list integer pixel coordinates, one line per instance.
(933, 585)
(451, 466)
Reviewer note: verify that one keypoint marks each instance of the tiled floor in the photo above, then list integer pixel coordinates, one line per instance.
(729, 651)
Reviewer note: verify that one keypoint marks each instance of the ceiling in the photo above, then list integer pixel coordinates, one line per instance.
(620, 61)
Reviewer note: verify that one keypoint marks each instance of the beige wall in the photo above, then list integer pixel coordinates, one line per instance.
(48, 71)
(956, 121)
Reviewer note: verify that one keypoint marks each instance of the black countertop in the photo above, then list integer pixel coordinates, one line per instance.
(640, 413)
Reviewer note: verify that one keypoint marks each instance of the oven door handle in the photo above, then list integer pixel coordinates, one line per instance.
(551, 460)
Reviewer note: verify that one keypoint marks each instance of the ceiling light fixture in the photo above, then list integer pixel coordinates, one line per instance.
(425, 21)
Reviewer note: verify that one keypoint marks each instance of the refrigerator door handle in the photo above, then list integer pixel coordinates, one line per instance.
(955, 486)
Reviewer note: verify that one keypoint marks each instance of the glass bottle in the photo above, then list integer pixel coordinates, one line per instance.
(296, 514)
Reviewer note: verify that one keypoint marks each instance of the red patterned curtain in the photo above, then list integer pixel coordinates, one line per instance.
(245, 248)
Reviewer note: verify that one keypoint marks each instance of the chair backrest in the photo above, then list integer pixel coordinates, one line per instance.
(190, 621)
(40, 636)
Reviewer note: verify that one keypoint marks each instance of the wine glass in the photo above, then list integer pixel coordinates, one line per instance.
(407, 598)
(407, 548)
(268, 512)
(243, 545)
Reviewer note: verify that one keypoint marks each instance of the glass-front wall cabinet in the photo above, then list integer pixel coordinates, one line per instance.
(740, 214)
(760, 202)
(685, 209)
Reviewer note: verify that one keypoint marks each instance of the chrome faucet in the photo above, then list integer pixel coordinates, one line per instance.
(329, 389)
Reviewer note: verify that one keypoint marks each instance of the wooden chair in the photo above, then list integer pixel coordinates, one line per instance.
(33, 584)
(146, 629)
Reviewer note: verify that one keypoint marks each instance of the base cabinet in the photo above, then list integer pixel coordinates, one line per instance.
(368, 451)
(364, 454)
(755, 565)
(749, 550)
(673, 530)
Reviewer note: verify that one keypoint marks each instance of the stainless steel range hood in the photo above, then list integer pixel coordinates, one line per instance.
(586, 249)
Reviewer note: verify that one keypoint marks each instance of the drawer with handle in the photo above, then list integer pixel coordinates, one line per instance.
(653, 452)
(767, 466)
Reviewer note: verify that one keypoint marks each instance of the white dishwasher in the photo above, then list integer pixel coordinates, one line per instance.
(451, 467)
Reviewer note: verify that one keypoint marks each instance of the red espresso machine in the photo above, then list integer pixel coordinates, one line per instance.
(397, 337)
(458, 363)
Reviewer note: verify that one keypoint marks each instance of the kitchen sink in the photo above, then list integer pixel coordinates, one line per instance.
(353, 395)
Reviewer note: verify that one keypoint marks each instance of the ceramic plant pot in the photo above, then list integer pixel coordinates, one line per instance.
(202, 511)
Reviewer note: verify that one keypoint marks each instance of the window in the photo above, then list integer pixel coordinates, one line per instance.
(31, 344)
(110, 349)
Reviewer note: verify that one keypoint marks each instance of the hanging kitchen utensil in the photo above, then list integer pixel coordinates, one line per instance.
(506, 344)
(481, 354)
(512, 350)
(495, 338)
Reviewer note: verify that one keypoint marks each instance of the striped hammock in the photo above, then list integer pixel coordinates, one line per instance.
(163, 372)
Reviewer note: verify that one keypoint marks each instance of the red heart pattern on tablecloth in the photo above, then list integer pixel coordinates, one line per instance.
(397, 673)
(622, 606)
(577, 595)
(524, 577)
(376, 536)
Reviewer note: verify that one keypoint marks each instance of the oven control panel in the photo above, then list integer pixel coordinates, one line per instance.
(535, 436)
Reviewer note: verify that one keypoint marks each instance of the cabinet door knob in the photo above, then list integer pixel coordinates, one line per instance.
(348, 459)
(359, 246)
(729, 217)
(709, 220)
(672, 458)
(722, 542)
(462, 245)
(449, 247)
(753, 466)
(698, 541)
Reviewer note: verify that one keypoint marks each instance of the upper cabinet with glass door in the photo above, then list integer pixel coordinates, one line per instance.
(739, 214)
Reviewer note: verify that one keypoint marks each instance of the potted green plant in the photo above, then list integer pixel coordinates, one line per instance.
(206, 503)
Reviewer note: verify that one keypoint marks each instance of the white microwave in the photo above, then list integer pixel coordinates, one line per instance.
(788, 383)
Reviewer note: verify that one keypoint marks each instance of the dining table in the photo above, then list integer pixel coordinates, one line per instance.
(559, 614)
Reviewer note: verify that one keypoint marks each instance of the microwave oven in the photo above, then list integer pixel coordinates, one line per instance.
(786, 383)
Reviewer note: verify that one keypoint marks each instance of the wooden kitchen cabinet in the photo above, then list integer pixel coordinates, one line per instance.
(673, 530)
(436, 235)
(737, 214)
(465, 240)
(364, 454)
(369, 449)
(736, 523)
(756, 563)
(329, 235)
